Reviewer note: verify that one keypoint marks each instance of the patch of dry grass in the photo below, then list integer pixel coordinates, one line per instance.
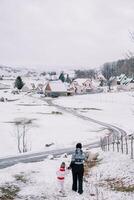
(117, 185)
(8, 192)
(21, 178)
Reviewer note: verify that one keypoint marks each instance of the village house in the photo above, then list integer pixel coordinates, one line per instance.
(70, 90)
(121, 79)
(125, 83)
(55, 89)
(39, 86)
(28, 87)
(82, 85)
(113, 81)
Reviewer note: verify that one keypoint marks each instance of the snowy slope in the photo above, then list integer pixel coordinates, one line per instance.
(38, 180)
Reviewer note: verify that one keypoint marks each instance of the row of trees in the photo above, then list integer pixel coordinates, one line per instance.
(65, 79)
(125, 66)
(110, 69)
(91, 73)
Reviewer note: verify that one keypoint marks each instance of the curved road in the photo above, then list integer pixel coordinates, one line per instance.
(116, 130)
(39, 156)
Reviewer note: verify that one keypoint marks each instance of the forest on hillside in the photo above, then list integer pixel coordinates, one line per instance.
(109, 69)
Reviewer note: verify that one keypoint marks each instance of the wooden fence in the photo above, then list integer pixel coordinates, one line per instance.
(123, 144)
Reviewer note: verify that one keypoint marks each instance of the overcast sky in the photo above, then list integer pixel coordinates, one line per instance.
(65, 33)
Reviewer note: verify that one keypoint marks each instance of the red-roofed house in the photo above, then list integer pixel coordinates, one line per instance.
(55, 89)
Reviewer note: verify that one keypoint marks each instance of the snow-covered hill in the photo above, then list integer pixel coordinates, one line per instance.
(12, 72)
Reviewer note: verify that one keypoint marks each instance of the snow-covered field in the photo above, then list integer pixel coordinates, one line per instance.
(38, 180)
(63, 130)
(112, 108)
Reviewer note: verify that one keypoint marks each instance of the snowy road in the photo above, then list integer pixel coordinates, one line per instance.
(39, 156)
(36, 157)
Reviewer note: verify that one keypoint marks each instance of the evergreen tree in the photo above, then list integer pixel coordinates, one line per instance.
(61, 77)
(68, 80)
(18, 83)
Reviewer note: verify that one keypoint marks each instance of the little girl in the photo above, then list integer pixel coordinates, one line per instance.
(61, 173)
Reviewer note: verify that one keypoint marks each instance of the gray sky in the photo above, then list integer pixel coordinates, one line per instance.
(68, 33)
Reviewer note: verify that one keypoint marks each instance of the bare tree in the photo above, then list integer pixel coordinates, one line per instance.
(22, 126)
(108, 70)
(131, 33)
(91, 73)
(129, 53)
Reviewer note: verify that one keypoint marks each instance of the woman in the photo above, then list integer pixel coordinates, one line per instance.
(77, 167)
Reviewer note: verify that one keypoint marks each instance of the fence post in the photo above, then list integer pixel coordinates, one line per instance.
(108, 142)
(132, 147)
(121, 143)
(105, 143)
(113, 142)
(101, 144)
(118, 144)
(126, 145)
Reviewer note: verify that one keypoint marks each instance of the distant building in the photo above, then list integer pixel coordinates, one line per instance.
(125, 83)
(82, 85)
(28, 87)
(121, 79)
(55, 89)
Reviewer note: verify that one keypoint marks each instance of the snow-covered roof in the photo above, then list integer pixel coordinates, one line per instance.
(127, 80)
(100, 76)
(58, 86)
(122, 76)
(80, 81)
(95, 83)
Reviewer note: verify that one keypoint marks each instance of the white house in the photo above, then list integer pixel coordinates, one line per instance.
(121, 79)
(28, 87)
(82, 85)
